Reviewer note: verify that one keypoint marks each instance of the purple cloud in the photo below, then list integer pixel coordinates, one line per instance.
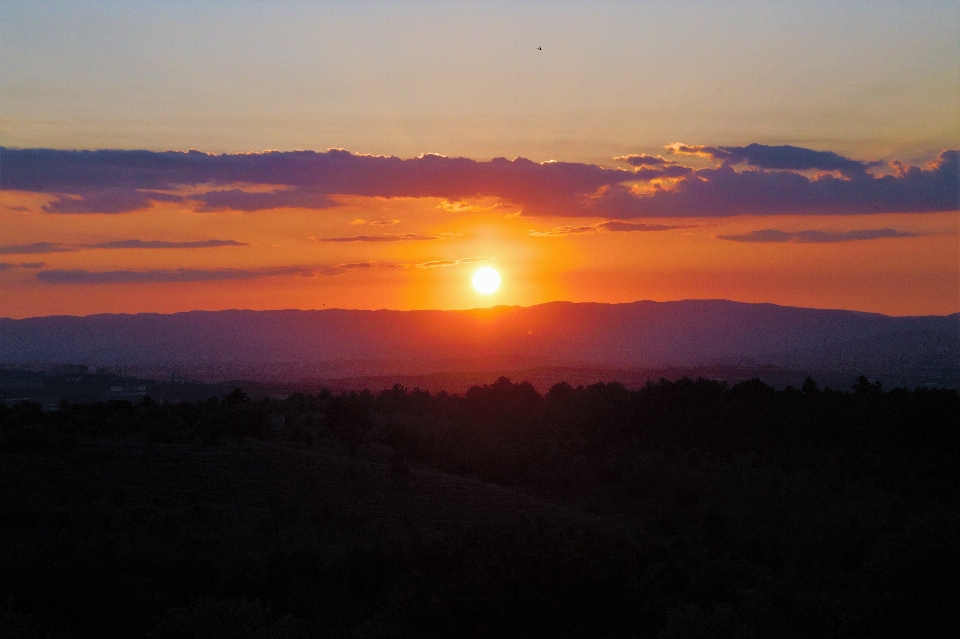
(157, 244)
(6, 266)
(795, 158)
(108, 200)
(38, 248)
(818, 237)
(786, 157)
(115, 181)
(722, 191)
(334, 172)
(81, 276)
(238, 200)
(155, 276)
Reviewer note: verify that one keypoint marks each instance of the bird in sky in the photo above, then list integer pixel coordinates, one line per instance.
(539, 48)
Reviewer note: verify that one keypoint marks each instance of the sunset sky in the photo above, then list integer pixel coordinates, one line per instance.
(168, 156)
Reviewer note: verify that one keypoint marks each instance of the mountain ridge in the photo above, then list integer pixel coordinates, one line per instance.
(641, 333)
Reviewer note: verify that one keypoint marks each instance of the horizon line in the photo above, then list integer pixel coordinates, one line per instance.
(474, 309)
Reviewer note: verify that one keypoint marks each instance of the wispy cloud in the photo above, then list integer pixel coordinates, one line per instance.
(390, 237)
(442, 263)
(156, 276)
(813, 236)
(340, 269)
(157, 244)
(38, 248)
(6, 266)
(380, 222)
(612, 226)
(82, 276)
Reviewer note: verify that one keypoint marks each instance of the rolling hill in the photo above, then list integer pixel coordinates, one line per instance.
(338, 343)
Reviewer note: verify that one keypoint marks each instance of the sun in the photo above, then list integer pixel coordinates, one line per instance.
(486, 280)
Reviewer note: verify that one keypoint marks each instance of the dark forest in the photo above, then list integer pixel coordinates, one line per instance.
(687, 508)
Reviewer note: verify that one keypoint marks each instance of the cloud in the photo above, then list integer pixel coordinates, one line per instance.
(38, 248)
(157, 244)
(108, 200)
(616, 226)
(442, 263)
(795, 158)
(340, 269)
(612, 226)
(385, 237)
(805, 237)
(6, 266)
(81, 276)
(661, 172)
(785, 157)
(699, 150)
(116, 181)
(459, 207)
(239, 200)
(157, 276)
(643, 160)
(380, 222)
(722, 191)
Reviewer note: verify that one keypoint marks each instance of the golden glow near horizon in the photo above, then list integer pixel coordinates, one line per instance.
(466, 81)
(486, 280)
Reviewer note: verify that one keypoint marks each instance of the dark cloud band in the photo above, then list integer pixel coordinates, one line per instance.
(119, 181)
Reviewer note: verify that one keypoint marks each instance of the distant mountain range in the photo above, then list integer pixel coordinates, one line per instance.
(341, 343)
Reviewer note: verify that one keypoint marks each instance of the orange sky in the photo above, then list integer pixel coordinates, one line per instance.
(898, 276)
(782, 91)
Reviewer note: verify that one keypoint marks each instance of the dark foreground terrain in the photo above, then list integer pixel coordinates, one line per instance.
(684, 509)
